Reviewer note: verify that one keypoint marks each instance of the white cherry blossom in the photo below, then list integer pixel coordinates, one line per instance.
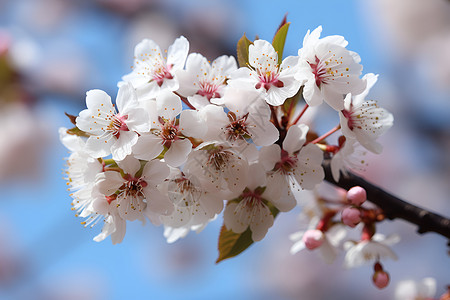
(219, 167)
(249, 209)
(152, 73)
(349, 156)
(276, 82)
(330, 241)
(293, 164)
(112, 131)
(193, 205)
(248, 118)
(202, 82)
(367, 251)
(134, 193)
(328, 70)
(81, 171)
(168, 132)
(364, 120)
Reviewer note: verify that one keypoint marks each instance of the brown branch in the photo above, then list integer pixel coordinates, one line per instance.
(393, 207)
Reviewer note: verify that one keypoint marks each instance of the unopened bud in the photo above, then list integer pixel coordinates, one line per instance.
(351, 216)
(380, 279)
(313, 239)
(356, 195)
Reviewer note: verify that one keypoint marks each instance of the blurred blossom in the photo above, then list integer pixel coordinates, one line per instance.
(155, 25)
(12, 262)
(420, 32)
(24, 137)
(86, 284)
(416, 290)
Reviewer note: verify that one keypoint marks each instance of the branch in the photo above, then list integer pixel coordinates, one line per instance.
(393, 207)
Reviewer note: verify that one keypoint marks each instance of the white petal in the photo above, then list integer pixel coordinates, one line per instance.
(155, 172)
(123, 145)
(95, 99)
(295, 138)
(126, 98)
(178, 152)
(191, 124)
(177, 53)
(148, 147)
(257, 176)
(130, 165)
(168, 105)
(156, 202)
(269, 156)
(108, 182)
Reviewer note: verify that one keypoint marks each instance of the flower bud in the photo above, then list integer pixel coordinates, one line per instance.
(313, 238)
(381, 279)
(356, 195)
(351, 216)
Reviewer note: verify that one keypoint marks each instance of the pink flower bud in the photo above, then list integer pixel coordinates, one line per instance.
(351, 216)
(313, 238)
(356, 195)
(380, 279)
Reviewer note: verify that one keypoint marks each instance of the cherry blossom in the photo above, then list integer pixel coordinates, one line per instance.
(250, 208)
(168, 132)
(152, 73)
(112, 131)
(203, 82)
(248, 118)
(81, 171)
(293, 164)
(366, 251)
(364, 120)
(328, 70)
(276, 82)
(219, 167)
(193, 204)
(326, 242)
(349, 156)
(134, 193)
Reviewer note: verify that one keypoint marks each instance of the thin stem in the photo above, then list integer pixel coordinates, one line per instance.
(320, 138)
(274, 117)
(300, 115)
(393, 207)
(185, 100)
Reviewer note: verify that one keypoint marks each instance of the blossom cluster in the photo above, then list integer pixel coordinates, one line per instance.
(188, 139)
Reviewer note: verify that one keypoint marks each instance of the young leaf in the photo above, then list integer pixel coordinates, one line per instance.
(279, 40)
(232, 244)
(77, 131)
(242, 51)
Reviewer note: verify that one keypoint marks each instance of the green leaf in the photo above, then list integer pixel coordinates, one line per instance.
(279, 40)
(77, 131)
(242, 51)
(232, 244)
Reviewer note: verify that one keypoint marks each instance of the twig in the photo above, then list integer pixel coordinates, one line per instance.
(393, 207)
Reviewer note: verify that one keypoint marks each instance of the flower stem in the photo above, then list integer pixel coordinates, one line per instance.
(320, 138)
(185, 100)
(274, 117)
(299, 116)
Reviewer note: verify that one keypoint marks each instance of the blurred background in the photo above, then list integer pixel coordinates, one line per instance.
(53, 51)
